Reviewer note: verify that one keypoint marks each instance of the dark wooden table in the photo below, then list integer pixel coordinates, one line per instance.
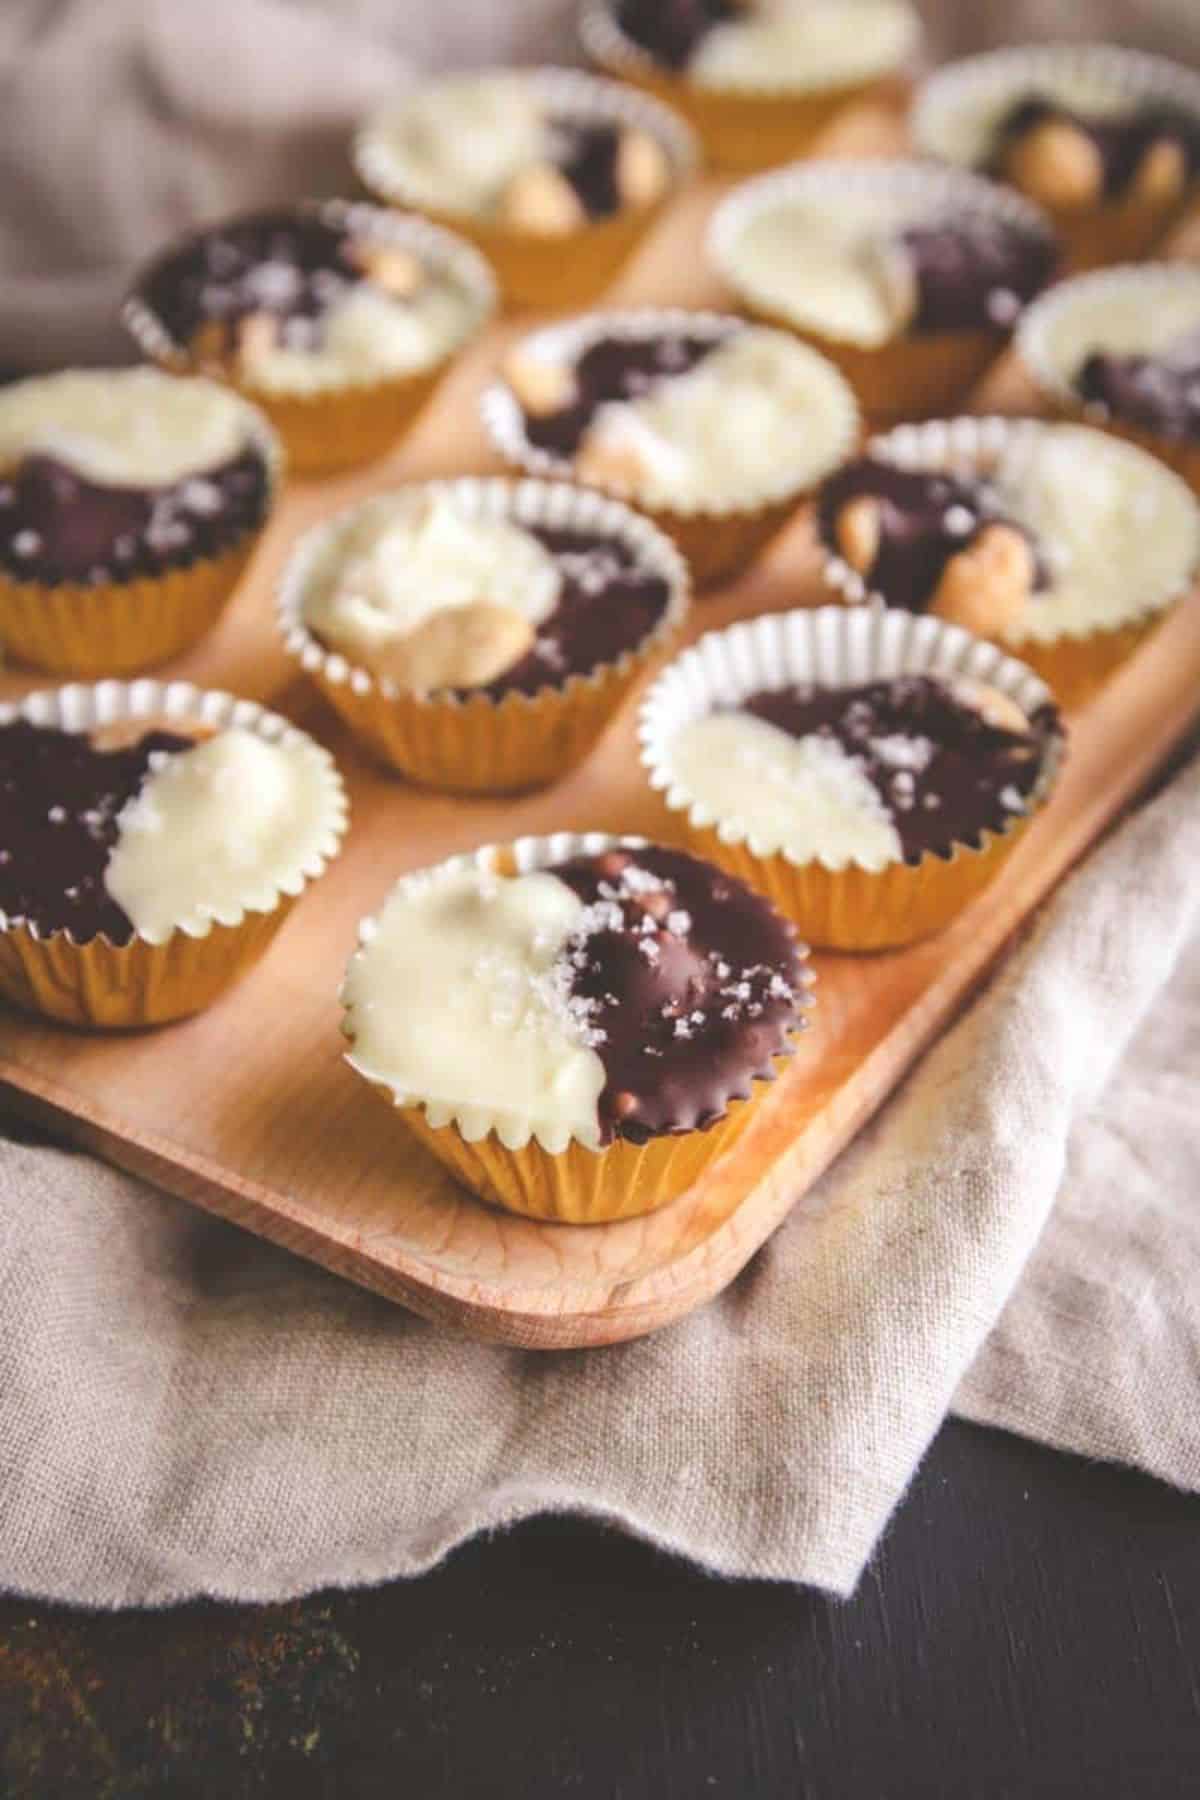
(1030, 1627)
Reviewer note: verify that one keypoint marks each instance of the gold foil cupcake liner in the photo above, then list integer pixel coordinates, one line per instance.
(1110, 309)
(99, 985)
(119, 627)
(915, 375)
(981, 89)
(740, 128)
(538, 269)
(1075, 663)
(574, 1184)
(334, 426)
(476, 744)
(847, 907)
(717, 540)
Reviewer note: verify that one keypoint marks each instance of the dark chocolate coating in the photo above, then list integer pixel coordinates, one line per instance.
(609, 602)
(585, 151)
(943, 784)
(615, 368)
(975, 274)
(1161, 393)
(1122, 139)
(56, 525)
(695, 992)
(291, 264)
(915, 541)
(59, 801)
(671, 30)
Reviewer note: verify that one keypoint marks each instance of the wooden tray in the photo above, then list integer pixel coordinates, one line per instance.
(250, 1112)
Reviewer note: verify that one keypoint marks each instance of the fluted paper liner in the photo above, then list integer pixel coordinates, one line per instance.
(1055, 337)
(743, 127)
(1119, 229)
(537, 268)
(473, 743)
(337, 426)
(913, 375)
(850, 907)
(576, 1184)
(100, 985)
(717, 539)
(1073, 663)
(119, 627)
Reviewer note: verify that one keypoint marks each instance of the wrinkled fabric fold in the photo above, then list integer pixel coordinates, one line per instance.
(184, 1410)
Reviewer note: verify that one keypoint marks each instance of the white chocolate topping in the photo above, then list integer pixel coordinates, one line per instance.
(803, 796)
(396, 563)
(1117, 530)
(123, 427)
(822, 265)
(807, 44)
(1120, 317)
(216, 830)
(464, 139)
(959, 119)
(367, 334)
(757, 405)
(458, 999)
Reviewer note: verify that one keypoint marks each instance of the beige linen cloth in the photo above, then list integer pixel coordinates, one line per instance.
(186, 1410)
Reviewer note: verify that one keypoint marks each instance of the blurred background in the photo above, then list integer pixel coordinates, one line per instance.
(123, 122)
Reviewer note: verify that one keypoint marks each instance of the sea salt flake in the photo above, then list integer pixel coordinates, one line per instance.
(899, 751)
(958, 521)
(26, 543)
(1002, 306)
(679, 923)
(1012, 799)
(549, 651)
(201, 496)
(274, 283)
(639, 881)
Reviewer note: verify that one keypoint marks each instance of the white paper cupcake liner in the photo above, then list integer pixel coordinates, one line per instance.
(436, 248)
(906, 192)
(972, 445)
(523, 856)
(382, 167)
(567, 341)
(981, 88)
(1058, 331)
(606, 44)
(831, 646)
